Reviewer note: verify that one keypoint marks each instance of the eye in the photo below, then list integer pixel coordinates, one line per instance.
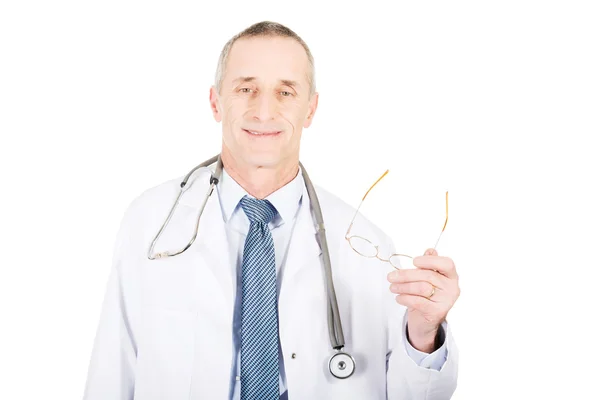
(245, 90)
(286, 94)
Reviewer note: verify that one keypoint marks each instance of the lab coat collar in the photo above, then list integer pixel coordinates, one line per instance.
(211, 244)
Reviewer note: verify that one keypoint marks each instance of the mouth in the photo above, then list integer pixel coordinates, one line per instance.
(258, 134)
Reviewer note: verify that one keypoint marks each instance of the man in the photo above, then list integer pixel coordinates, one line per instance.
(242, 313)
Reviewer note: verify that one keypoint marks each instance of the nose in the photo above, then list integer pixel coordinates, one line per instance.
(264, 107)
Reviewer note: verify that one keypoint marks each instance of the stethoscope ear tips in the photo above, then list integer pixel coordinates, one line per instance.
(341, 365)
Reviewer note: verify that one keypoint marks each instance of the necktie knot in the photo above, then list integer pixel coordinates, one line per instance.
(258, 210)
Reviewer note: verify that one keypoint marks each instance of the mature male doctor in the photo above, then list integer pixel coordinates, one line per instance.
(243, 312)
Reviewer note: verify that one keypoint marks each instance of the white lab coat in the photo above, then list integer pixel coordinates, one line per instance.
(165, 330)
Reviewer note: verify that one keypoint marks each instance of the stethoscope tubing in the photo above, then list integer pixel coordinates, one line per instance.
(336, 334)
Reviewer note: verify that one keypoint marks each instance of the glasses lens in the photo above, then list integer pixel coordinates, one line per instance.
(363, 246)
(401, 261)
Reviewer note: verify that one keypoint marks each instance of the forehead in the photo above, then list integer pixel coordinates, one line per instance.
(268, 59)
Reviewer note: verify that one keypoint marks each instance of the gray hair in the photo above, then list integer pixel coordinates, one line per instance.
(264, 29)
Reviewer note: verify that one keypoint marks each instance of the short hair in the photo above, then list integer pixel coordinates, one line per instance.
(264, 29)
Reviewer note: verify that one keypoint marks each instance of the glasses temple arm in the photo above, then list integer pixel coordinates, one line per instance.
(353, 218)
(445, 223)
(363, 199)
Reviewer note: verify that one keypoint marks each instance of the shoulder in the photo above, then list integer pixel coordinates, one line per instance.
(158, 199)
(143, 212)
(151, 199)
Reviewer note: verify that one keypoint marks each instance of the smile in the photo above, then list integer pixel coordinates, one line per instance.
(261, 133)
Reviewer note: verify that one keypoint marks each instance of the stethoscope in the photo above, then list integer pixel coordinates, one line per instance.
(341, 364)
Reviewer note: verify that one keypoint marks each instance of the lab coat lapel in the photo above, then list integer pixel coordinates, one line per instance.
(302, 309)
(304, 252)
(211, 243)
(212, 350)
(212, 375)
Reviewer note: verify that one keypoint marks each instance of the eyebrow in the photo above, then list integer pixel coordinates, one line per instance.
(286, 82)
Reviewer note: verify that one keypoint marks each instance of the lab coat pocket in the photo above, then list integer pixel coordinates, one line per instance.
(165, 355)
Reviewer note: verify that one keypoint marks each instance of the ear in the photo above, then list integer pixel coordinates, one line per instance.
(312, 109)
(215, 105)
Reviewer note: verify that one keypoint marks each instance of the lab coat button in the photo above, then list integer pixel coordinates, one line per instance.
(293, 355)
(237, 377)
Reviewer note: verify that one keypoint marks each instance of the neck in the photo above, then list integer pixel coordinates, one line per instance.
(259, 181)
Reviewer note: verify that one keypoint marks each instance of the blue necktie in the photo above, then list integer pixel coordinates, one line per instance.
(260, 333)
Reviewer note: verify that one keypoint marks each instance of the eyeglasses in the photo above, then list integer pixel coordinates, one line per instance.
(366, 248)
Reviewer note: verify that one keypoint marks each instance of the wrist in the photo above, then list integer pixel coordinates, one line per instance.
(424, 342)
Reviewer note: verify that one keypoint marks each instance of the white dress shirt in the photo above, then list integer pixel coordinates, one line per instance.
(287, 201)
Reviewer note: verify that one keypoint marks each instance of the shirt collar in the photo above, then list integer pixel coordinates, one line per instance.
(285, 199)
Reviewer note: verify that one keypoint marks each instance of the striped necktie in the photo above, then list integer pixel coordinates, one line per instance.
(260, 332)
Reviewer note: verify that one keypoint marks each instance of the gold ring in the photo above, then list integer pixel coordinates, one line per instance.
(432, 292)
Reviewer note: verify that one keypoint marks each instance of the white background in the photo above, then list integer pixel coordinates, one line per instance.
(496, 102)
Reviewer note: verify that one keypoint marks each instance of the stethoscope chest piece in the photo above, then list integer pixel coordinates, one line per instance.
(341, 365)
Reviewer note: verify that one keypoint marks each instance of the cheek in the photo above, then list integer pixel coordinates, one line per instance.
(231, 115)
(296, 115)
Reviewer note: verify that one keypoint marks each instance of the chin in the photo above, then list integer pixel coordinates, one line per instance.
(263, 159)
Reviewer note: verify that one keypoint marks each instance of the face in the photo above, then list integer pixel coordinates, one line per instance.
(265, 101)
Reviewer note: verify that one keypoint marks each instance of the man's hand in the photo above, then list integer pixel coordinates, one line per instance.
(429, 292)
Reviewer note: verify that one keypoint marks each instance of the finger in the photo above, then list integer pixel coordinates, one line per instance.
(443, 265)
(423, 289)
(415, 275)
(419, 303)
